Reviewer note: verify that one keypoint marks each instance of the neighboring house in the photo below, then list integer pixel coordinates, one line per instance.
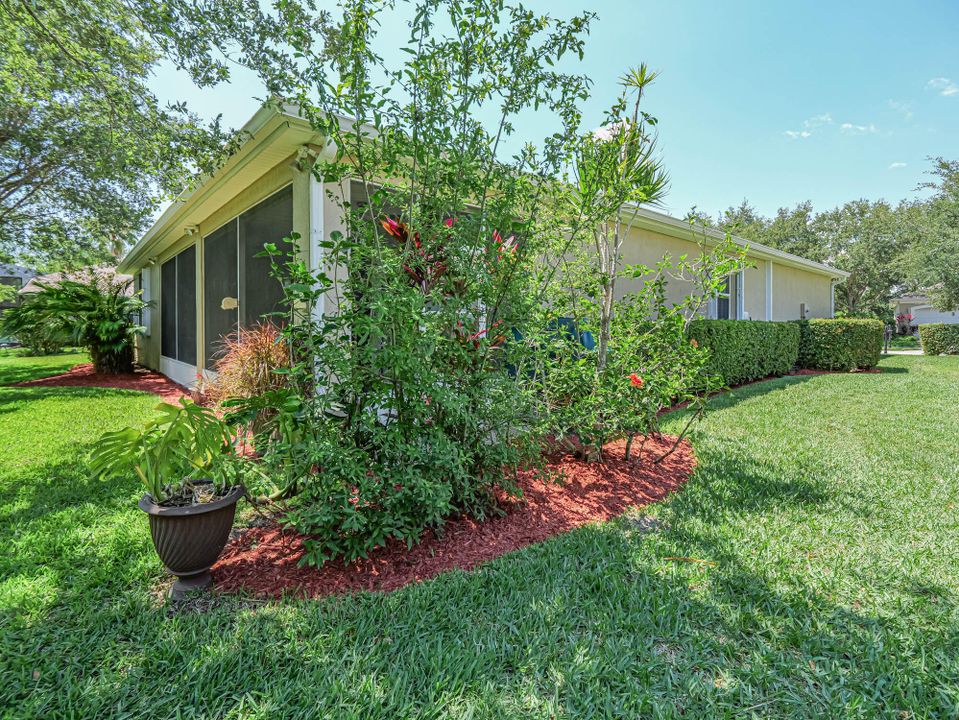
(15, 276)
(922, 311)
(198, 263)
(102, 273)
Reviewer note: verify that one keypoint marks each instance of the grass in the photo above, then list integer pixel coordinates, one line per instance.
(904, 342)
(827, 503)
(16, 366)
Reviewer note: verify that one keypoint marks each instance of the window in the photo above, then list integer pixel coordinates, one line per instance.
(178, 307)
(239, 289)
(728, 300)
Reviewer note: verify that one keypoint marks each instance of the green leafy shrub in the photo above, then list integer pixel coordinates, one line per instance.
(939, 339)
(742, 350)
(96, 313)
(847, 344)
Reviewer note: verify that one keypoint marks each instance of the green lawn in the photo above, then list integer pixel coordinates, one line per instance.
(904, 342)
(16, 366)
(827, 503)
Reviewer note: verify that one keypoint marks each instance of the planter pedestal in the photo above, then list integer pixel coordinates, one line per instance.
(190, 539)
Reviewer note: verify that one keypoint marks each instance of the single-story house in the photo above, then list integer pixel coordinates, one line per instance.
(922, 311)
(198, 264)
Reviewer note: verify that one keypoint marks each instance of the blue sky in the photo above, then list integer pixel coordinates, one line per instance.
(771, 101)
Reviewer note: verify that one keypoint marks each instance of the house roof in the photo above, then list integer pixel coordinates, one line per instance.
(270, 136)
(275, 133)
(101, 273)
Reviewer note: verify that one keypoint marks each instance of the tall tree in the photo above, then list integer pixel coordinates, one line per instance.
(86, 149)
(866, 240)
(934, 260)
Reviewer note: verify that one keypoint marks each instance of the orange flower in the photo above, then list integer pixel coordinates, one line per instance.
(636, 381)
(694, 343)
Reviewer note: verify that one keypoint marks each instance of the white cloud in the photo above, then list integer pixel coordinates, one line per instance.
(818, 121)
(902, 108)
(944, 86)
(809, 125)
(897, 165)
(851, 129)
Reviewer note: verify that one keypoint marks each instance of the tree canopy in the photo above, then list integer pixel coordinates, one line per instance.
(86, 149)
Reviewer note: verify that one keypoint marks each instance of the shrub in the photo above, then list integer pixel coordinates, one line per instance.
(742, 350)
(939, 339)
(96, 313)
(847, 344)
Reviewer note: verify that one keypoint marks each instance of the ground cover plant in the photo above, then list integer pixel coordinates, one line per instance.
(820, 582)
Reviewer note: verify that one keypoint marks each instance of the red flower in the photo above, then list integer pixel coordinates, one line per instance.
(449, 222)
(636, 381)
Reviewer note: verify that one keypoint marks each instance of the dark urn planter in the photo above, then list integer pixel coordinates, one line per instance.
(190, 539)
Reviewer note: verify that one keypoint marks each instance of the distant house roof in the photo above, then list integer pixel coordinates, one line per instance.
(105, 274)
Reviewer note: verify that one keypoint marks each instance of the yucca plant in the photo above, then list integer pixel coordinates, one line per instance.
(98, 314)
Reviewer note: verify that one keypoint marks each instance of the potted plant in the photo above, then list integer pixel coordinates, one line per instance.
(186, 461)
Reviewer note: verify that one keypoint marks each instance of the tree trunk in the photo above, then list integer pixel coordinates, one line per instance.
(111, 362)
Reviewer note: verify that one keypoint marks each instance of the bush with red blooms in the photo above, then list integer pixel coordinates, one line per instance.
(403, 405)
(651, 364)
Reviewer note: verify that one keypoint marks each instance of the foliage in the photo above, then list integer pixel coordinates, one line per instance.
(251, 362)
(38, 337)
(741, 351)
(400, 408)
(85, 145)
(849, 344)
(96, 312)
(616, 166)
(934, 260)
(171, 452)
(651, 362)
(939, 339)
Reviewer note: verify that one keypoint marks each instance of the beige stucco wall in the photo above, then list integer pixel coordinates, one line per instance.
(792, 287)
(754, 289)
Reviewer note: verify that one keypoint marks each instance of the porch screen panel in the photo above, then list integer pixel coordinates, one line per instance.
(268, 222)
(186, 306)
(220, 286)
(168, 309)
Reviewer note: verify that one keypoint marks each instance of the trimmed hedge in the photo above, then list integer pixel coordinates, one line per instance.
(939, 339)
(744, 350)
(848, 344)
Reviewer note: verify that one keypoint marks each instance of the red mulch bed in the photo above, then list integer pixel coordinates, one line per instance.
(140, 379)
(263, 560)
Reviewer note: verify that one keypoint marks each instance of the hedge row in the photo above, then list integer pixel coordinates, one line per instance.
(743, 350)
(939, 339)
(848, 344)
